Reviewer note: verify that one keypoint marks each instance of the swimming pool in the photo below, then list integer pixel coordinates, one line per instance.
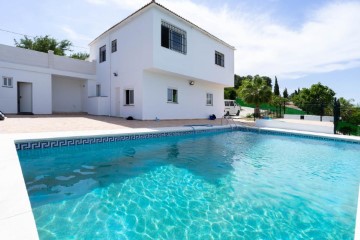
(220, 185)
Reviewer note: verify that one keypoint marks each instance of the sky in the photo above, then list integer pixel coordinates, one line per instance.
(302, 42)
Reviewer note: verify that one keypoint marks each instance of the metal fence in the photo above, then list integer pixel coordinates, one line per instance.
(346, 119)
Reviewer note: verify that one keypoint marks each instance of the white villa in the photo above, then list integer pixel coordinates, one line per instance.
(153, 64)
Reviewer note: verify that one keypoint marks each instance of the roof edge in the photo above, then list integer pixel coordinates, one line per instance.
(153, 2)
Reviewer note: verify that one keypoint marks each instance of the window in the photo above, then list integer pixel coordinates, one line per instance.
(219, 59)
(7, 82)
(172, 95)
(173, 38)
(102, 54)
(114, 46)
(98, 90)
(209, 99)
(129, 97)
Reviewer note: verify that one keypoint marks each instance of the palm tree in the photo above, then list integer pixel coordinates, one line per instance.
(255, 92)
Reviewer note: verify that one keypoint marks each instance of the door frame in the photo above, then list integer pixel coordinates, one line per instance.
(19, 97)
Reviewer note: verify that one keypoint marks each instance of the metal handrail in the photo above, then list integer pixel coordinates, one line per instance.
(228, 122)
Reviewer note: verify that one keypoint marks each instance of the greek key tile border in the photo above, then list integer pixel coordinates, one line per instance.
(43, 144)
(108, 139)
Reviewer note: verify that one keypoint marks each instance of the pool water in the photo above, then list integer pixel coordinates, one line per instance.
(230, 185)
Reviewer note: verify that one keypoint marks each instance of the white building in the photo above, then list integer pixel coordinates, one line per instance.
(153, 64)
(43, 83)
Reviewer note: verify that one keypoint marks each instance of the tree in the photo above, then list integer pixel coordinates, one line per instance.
(267, 80)
(44, 44)
(80, 55)
(285, 93)
(255, 92)
(230, 93)
(278, 102)
(314, 99)
(238, 80)
(349, 112)
(276, 88)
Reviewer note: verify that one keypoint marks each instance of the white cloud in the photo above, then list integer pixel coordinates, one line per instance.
(328, 41)
(75, 37)
(123, 4)
(97, 2)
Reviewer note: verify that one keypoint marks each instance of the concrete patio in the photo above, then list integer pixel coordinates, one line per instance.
(84, 122)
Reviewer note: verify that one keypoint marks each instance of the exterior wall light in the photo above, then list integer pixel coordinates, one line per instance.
(115, 74)
(191, 82)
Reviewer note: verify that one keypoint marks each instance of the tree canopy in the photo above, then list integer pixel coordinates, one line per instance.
(314, 99)
(285, 93)
(256, 92)
(46, 43)
(80, 55)
(230, 93)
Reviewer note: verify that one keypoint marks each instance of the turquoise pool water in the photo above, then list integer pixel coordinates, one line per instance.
(231, 185)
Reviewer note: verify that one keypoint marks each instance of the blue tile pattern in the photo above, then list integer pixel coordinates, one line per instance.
(104, 139)
(43, 144)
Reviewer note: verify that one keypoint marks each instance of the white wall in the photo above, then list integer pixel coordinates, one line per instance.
(191, 99)
(26, 59)
(134, 52)
(41, 90)
(328, 128)
(310, 117)
(67, 94)
(97, 105)
(37, 68)
(143, 65)
(199, 61)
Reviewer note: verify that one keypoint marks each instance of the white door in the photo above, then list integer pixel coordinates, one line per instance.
(25, 97)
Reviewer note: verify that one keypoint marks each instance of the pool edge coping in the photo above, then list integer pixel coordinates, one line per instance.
(15, 138)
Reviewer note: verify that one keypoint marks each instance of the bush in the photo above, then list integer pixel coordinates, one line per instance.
(348, 128)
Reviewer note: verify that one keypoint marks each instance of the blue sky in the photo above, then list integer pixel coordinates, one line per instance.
(302, 42)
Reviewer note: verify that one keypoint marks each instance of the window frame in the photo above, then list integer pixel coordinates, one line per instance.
(6, 80)
(102, 54)
(173, 38)
(211, 99)
(174, 94)
(113, 45)
(129, 95)
(219, 59)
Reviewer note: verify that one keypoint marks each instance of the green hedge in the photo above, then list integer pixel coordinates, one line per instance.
(348, 128)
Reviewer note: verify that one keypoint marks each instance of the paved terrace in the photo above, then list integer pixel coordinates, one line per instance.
(83, 122)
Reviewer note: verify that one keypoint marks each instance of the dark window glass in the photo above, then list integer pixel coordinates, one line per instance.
(129, 97)
(172, 95)
(219, 59)
(165, 36)
(173, 38)
(102, 54)
(209, 99)
(114, 46)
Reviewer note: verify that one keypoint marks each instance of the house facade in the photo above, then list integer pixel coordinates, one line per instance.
(43, 83)
(152, 65)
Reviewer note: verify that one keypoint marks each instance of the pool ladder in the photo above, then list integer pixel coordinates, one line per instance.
(230, 121)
